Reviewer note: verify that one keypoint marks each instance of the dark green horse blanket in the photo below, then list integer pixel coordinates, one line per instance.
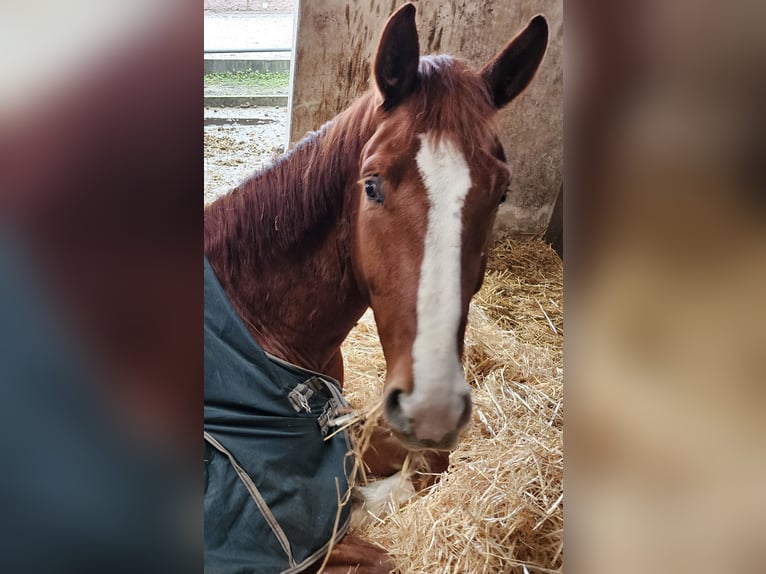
(272, 481)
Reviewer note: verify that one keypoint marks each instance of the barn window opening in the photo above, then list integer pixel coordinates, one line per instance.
(249, 46)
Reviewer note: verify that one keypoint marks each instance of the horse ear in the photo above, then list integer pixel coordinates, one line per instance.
(511, 70)
(396, 62)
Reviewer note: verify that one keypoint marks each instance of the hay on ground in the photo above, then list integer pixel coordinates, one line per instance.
(499, 508)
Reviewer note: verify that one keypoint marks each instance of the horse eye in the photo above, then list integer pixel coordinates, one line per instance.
(373, 191)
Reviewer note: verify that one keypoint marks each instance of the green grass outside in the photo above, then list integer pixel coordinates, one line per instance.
(269, 80)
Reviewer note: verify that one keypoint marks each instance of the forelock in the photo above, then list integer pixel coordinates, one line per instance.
(452, 99)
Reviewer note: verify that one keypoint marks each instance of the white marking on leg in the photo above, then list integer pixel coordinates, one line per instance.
(381, 498)
(437, 401)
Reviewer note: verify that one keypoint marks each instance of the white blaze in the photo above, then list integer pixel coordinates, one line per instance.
(437, 401)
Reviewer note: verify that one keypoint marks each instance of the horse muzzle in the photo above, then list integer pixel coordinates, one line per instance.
(422, 424)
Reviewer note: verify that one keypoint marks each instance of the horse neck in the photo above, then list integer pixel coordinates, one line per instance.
(280, 244)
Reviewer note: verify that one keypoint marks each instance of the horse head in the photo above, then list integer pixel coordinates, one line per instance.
(432, 177)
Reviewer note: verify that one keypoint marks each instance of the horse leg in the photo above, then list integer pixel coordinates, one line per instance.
(352, 554)
(385, 457)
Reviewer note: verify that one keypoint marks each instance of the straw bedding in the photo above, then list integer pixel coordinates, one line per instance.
(499, 508)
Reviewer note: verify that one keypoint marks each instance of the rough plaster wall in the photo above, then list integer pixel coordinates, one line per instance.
(336, 40)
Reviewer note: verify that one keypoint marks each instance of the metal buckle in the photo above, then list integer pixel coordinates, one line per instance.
(328, 415)
(300, 395)
(299, 398)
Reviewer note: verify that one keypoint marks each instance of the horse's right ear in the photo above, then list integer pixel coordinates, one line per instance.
(396, 62)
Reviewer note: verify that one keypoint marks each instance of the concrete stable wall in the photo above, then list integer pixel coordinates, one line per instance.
(215, 66)
(336, 40)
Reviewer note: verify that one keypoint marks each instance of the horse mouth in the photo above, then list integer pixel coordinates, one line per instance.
(408, 440)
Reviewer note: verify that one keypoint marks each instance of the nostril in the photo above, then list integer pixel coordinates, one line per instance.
(392, 406)
(466, 416)
(394, 414)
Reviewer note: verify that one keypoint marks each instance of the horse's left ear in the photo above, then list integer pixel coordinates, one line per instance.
(511, 70)
(396, 62)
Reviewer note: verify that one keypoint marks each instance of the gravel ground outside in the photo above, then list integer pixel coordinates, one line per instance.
(238, 142)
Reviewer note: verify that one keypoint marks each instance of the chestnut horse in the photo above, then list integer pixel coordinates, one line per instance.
(390, 205)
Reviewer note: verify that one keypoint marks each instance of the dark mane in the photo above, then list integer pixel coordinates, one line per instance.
(301, 192)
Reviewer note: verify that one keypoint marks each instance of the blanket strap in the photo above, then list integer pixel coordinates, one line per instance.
(257, 498)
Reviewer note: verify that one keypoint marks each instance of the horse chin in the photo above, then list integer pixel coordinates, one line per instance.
(446, 444)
